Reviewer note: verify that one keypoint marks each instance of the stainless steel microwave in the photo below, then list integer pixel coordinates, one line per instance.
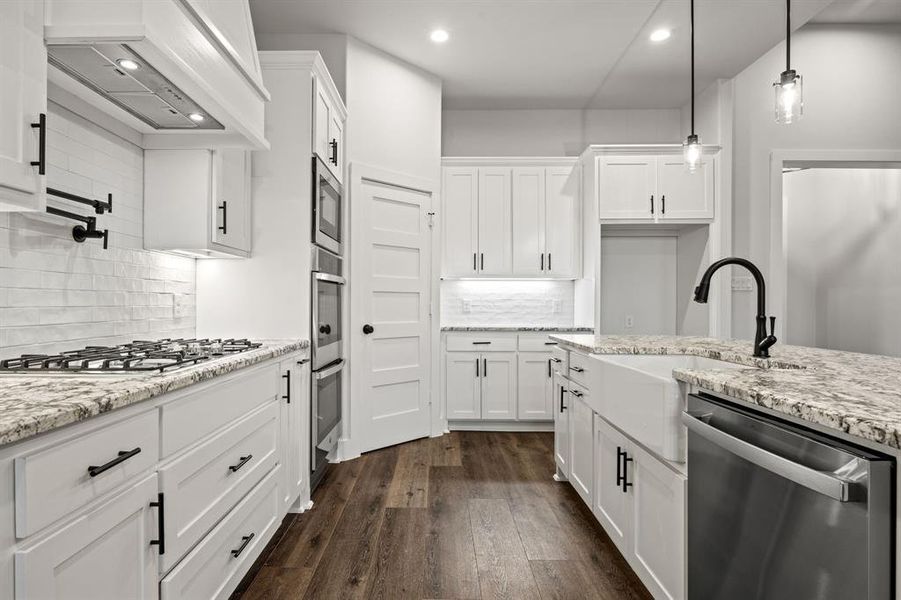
(327, 208)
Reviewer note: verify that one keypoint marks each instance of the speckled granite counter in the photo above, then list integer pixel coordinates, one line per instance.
(33, 404)
(522, 328)
(858, 394)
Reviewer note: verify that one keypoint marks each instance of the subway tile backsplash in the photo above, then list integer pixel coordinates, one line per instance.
(57, 294)
(507, 303)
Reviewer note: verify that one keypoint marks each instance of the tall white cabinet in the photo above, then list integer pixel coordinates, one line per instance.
(511, 218)
(23, 105)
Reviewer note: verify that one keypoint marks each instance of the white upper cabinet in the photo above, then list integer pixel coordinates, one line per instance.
(328, 126)
(23, 100)
(653, 188)
(511, 221)
(197, 202)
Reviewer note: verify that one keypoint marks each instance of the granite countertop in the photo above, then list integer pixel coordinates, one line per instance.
(33, 404)
(524, 328)
(858, 394)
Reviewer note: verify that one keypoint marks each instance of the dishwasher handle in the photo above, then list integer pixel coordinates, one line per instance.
(819, 481)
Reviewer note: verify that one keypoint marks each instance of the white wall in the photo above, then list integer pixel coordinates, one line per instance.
(843, 240)
(393, 113)
(552, 132)
(507, 303)
(852, 82)
(56, 294)
(332, 47)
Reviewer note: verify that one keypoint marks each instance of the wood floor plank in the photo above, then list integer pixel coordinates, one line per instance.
(451, 568)
(279, 583)
(345, 566)
(448, 486)
(410, 485)
(494, 532)
(540, 531)
(309, 534)
(400, 564)
(445, 450)
(508, 578)
(577, 580)
(484, 461)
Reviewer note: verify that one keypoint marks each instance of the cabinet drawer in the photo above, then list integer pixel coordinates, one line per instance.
(53, 482)
(580, 368)
(192, 417)
(481, 343)
(560, 359)
(211, 569)
(535, 343)
(205, 483)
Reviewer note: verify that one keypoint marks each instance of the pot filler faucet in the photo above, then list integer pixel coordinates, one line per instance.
(762, 341)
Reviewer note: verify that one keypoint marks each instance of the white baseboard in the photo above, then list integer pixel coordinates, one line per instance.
(524, 426)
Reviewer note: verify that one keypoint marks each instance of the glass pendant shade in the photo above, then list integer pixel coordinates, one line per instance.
(691, 153)
(789, 97)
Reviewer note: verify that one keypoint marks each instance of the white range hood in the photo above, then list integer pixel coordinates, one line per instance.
(184, 73)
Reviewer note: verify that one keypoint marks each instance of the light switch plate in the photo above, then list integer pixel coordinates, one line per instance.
(467, 306)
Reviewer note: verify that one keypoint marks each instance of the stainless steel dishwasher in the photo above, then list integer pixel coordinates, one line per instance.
(777, 511)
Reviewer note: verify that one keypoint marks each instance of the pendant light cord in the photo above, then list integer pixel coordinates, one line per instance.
(692, 31)
(788, 35)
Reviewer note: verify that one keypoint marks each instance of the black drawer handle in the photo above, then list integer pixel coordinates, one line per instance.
(123, 455)
(577, 369)
(334, 146)
(550, 343)
(622, 478)
(481, 343)
(244, 541)
(562, 391)
(576, 393)
(161, 527)
(287, 377)
(41, 126)
(244, 460)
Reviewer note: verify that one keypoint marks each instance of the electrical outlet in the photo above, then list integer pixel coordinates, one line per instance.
(467, 306)
(742, 284)
(555, 307)
(630, 321)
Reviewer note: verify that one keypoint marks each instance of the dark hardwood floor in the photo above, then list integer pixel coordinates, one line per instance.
(466, 515)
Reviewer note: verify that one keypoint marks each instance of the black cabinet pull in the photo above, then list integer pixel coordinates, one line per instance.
(562, 391)
(161, 526)
(542, 261)
(548, 261)
(549, 372)
(577, 369)
(244, 460)
(475, 261)
(41, 126)
(483, 260)
(551, 344)
(334, 157)
(663, 204)
(287, 378)
(481, 343)
(477, 367)
(576, 393)
(484, 367)
(244, 541)
(652, 204)
(619, 462)
(224, 227)
(123, 455)
(624, 478)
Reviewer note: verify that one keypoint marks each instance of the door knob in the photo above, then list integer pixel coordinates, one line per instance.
(367, 329)
(326, 329)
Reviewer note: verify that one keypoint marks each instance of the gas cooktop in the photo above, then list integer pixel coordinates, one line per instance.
(140, 356)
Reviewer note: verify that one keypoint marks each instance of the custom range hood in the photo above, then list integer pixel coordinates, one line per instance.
(181, 72)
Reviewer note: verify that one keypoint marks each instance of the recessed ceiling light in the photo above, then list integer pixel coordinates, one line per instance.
(439, 36)
(660, 35)
(196, 117)
(128, 64)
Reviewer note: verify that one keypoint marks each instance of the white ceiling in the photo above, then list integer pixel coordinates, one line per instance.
(562, 53)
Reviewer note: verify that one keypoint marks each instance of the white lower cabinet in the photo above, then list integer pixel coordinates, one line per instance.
(534, 383)
(104, 554)
(562, 446)
(581, 472)
(481, 386)
(640, 502)
(498, 385)
(293, 422)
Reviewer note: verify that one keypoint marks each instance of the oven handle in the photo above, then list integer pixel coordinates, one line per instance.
(329, 371)
(819, 481)
(329, 277)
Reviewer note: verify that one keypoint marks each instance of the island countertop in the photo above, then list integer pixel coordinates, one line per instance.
(33, 404)
(858, 394)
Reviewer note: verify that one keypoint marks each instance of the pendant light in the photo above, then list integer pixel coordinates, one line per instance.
(789, 88)
(691, 148)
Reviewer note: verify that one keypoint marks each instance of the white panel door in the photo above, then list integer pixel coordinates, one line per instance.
(612, 503)
(581, 472)
(561, 224)
(463, 385)
(498, 386)
(685, 195)
(535, 382)
(495, 236)
(659, 525)
(527, 216)
(460, 201)
(627, 187)
(391, 266)
(231, 199)
(23, 98)
(104, 554)
(562, 444)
